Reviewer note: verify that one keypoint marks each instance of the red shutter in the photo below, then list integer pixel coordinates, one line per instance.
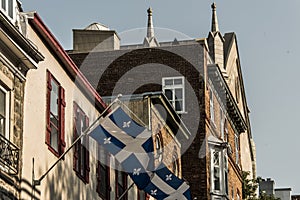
(48, 127)
(62, 105)
(87, 154)
(75, 156)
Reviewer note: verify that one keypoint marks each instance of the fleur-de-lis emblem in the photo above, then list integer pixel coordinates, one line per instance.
(126, 124)
(169, 177)
(137, 171)
(107, 140)
(154, 192)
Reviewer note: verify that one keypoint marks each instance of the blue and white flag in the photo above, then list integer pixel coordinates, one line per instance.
(132, 146)
(166, 185)
(130, 143)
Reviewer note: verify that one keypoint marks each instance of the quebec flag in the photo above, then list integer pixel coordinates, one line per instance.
(132, 145)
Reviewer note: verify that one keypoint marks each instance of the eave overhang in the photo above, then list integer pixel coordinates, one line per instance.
(68, 64)
(18, 44)
(220, 85)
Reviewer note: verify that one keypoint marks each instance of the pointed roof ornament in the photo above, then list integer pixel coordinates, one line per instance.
(150, 29)
(214, 23)
(150, 40)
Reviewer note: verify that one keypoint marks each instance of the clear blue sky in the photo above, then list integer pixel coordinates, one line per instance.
(268, 38)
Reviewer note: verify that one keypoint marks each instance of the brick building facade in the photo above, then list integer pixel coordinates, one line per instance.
(202, 79)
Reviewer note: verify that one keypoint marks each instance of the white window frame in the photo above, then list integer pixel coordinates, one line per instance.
(222, 124)
(213, 152)
(226, 173)
(223, 168)
(237, 148)
(7, 111)
(173, 87)
(6, 11)
(159, 147)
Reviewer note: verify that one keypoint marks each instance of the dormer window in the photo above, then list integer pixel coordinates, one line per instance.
(7, 7)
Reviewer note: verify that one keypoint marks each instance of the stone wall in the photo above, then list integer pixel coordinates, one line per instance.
(10, 183)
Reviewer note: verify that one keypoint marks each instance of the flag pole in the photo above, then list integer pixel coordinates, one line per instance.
(125, 192)
(38, 181)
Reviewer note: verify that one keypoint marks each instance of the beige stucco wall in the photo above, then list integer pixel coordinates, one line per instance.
(61, 182)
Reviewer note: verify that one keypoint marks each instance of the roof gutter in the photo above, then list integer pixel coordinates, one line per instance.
(68, 63)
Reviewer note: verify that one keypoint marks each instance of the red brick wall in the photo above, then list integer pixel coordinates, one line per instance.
(234, 173)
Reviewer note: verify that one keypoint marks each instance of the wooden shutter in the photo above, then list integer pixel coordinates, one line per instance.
(98, 176)
(62, 105)
(48, 127)
(75, 155)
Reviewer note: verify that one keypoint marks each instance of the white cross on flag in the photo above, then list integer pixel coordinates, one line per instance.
(132, 146)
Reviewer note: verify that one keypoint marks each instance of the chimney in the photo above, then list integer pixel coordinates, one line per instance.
(95, 37)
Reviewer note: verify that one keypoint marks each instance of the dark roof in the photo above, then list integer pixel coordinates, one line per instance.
(94, 64)
(229, 38)
(67, 63)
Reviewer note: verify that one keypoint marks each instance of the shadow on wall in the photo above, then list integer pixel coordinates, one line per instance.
(62, 181)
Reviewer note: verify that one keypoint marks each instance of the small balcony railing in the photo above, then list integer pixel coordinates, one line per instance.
(9, 156)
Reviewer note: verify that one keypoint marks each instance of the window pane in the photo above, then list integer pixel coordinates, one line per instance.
(169, 94)
(54, 99)
(169, 82)
(82, 160)
(2, 103)
(178, 81)
(178, 94)
(54, 138)
(178, 105)
(217, 178)
(10, 8)
(54, 120)
(103, 180)
(4, 4)
(120, 178)
(2, 125)
(216, 158)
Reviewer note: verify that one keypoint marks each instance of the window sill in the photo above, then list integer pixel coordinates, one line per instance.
(53, 151)
(81, 177)
(219, 194)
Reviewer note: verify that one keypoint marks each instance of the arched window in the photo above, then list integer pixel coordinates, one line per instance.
(175, 162)
(159, 146)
